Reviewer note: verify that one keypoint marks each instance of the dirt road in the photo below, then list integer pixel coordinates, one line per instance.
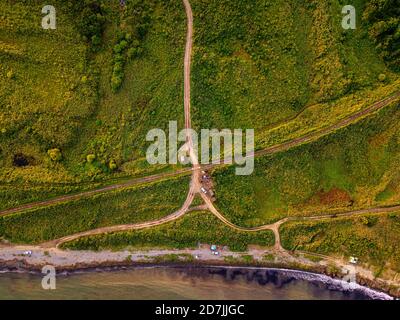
(271, 150)
(126, 227)
(274, 227)
(77, 196)
(194, 183)
(195, 170)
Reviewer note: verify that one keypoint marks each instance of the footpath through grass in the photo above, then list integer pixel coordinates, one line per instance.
(355, 167)
(127, 206)
(187, 232)
(257, 63)
(372, 238)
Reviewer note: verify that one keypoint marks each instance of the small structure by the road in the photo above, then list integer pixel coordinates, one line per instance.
(207, 185)
(353, 260)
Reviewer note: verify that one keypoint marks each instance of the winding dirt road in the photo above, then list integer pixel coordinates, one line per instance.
(158, 177)
(196, 168)
(194, 183)
(126, 227)
(274, 227)
(195, 171)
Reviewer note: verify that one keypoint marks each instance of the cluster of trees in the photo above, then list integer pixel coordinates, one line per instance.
(90, 19)
(384, 19)
(129, 44)
(96, 166)
(120, 56)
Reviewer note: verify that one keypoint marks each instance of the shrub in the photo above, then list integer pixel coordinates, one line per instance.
(90, 158)
(116, 83)
(10, 74)
(55, 154)
(112, 165)
(96, 40)
(382, 77)
(368, 221)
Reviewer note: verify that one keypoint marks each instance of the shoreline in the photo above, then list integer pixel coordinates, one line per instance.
(69, 262)
(281, 276)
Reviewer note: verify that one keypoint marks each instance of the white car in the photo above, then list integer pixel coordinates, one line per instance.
(27, 253)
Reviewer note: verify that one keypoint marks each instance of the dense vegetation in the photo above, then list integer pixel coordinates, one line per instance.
(133, 205)
(76, 104)
(130, 38)
(373, 238)
(257, 63)
(357, 166)
(187, 232)
(383, 17)
(60, 122)
(15, 194)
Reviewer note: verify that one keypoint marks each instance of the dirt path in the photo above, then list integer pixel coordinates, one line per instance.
(274, 227)
(77, 196)
(312, 136)
(126, 227)
(194, 184)
(188, 62)
(158, 177)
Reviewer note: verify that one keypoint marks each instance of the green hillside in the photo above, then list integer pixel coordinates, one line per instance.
(56, 87)
(372, 238)
(77, 102)
(356, 167)
(259, 63)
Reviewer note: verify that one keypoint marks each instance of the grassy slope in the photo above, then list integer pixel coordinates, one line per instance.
(355, 167)
(152, 91)
(133, 205)
(258, 63)
(255, 65)
(48, 105)
(372, 238)
(45, 104)
(186, 232)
